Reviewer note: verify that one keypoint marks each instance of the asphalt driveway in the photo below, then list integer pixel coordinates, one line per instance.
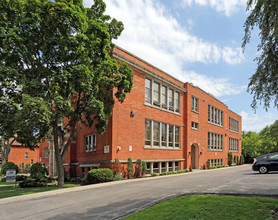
(117, 199)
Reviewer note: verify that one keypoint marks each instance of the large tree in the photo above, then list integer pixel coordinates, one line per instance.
(58, 56)
(264, 82)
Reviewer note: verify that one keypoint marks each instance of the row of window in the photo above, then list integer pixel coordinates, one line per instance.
(215, 141)
(233, 124)
(159, 134)
(233, 144)
(161, 96)
(215, 115)
(159, 167)
(216, 162)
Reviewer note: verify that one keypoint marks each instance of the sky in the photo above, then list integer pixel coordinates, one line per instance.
(197, 41)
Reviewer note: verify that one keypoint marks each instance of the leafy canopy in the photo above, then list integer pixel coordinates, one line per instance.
(264, 83)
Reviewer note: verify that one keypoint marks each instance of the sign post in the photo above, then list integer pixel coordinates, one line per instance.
(11, 175)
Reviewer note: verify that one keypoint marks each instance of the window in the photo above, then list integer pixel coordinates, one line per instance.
(160, 134)
(164, 135)
(273, 157)
(26, 156)
(147, 132)
(194, 104)
(195, 125)
(171, 136)
(233, 145)
(161, 96)
(156, 131)
(32, 161)
(177, 102)
(216, 162)
(233, 124)
(171, 101)
(215, 141)
(46, 153)
(90, 143)
(215, 116)
(164, 97)
(177, 136)
(148, 90)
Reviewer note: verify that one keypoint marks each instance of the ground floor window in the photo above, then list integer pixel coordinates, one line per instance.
(216, 162)
(165, 166)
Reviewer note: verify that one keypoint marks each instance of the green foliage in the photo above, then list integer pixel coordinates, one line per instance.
(9, 165)
(263, 84)
(117, 167)
(100, 175)
(59, 70)
(24, 168)
(241, 159)
(154, 174)
(33, 182)
(230, 158)
(208, 164)
(144, 168)
(3, 179)
(38, 170)
(118, 176)
(130, 168)
(20, 177)
(138, 169)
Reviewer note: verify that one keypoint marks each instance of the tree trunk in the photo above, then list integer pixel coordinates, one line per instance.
(59, 161)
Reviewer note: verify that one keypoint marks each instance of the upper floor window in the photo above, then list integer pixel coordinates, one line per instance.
(233, 124)
(194, 104)
(195, 125)
(90, 143)
(215, 141)
(215, 115)
(161, 96)
(233, 144)
(26, 156)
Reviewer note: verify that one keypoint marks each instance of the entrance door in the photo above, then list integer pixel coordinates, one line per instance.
(195, 156)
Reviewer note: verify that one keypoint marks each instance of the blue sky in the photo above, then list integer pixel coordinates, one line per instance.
(197, 41)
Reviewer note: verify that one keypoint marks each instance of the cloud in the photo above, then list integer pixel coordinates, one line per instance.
(256, 122)
(228, 7)
(154, 35)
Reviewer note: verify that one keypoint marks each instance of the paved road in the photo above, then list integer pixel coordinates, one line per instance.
(111, 201)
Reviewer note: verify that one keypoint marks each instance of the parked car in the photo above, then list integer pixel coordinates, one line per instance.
(265, 163)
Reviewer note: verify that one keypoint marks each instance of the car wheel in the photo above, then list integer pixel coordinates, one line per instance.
(263, 169)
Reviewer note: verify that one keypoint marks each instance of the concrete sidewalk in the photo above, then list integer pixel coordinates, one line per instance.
(95, 186)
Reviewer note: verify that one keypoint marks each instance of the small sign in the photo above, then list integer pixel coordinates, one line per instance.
(11, 175)
(106, 149)
(130, 148)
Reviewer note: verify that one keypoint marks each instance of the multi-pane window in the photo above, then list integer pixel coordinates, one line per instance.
(148, 132)
(46, 152)
(160, 134)
(177, 136)
(233, 144)
(216, 162)
(215, 115)
(156, 94)
(215, 141)
(194, 104)
(148, 91)
(162, 96)
(171, 136)
(156, 131)
(26, 156)
(163, 135)
(90, 143)
(233, 124)
(195, 125)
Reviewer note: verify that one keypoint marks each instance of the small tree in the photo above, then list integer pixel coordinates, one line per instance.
(144, 168)
(208, 164)
(241, 159)
(38, 170)
(230, 158)
(138, 169)
(130, 168)
(117, 167)
(9, 165)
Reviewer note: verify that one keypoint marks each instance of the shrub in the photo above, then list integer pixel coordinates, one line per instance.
(186, 170)
(144, 168)
(241, 159)
(117, 168)
(38, 170)
(154, 174)
(20, 178)
(163, 173)
(118, 176)
(208, 164)
(230, 158)
(3, 180)
(100, 175)
(9, 165)
(130, 169)
(181, 171)
(33, 182)
(138, 169)
(28, 168)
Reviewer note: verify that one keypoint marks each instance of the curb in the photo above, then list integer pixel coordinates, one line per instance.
(95, 186)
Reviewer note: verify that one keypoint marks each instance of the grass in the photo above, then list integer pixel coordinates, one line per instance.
(210, 207)
(9, 191)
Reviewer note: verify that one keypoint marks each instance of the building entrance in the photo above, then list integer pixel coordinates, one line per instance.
(195, 156)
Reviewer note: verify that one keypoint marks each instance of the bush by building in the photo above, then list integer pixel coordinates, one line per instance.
(9, 165)
(100, 175)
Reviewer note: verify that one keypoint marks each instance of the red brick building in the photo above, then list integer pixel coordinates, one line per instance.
(163, 121)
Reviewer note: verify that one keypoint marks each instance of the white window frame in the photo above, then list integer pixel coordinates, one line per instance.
(90, 143)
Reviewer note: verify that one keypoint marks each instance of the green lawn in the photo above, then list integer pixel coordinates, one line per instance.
(9, 190)
(210, 207)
